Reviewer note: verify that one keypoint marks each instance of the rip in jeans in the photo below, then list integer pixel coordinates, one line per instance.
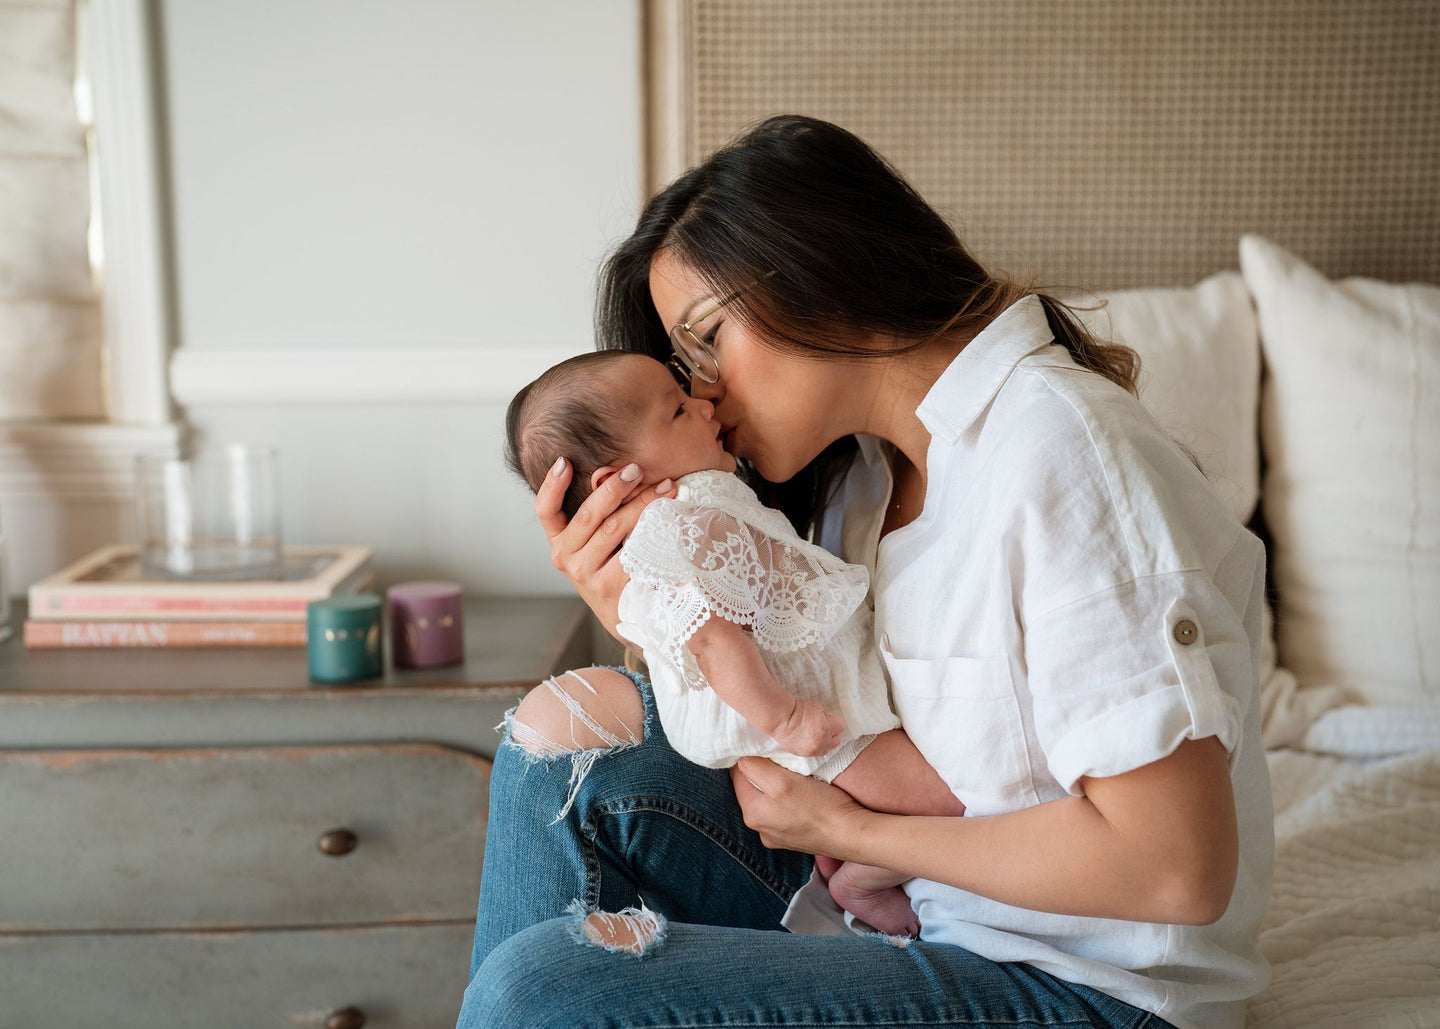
(634, 931)
(535, 746)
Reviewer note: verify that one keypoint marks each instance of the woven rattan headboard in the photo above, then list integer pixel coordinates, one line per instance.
(1100, 143)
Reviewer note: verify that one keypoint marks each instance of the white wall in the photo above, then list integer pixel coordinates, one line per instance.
(432, 181)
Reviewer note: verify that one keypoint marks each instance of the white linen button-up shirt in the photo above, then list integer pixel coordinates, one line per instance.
(1073, 600)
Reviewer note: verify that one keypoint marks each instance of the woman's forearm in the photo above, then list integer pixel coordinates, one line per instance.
(1158, 844)
(1057, 857)
(1146, 845)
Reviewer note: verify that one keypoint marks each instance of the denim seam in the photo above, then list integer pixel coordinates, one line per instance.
(592, 867)
(736, 848)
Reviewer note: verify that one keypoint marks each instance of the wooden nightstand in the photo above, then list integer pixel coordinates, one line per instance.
(205, 838)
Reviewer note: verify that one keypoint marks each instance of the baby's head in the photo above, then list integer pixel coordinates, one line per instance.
(603, 410)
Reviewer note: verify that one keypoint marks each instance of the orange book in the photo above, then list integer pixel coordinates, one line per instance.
(56, 635)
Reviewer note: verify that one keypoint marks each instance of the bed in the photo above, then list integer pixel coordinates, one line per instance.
(1337, 381)
(1248, 194)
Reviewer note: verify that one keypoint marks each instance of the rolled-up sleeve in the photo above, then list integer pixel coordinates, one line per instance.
(1121, 677)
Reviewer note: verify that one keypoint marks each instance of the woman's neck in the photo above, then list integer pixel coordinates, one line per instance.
(899, 385)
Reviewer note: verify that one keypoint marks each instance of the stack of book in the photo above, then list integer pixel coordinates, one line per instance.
(106, 600)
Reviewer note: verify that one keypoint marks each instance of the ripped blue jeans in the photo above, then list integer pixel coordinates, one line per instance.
(650, 903)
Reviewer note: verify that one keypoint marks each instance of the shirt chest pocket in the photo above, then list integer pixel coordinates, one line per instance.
(962, 714)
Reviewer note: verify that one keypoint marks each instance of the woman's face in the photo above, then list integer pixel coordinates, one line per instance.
(776, 409)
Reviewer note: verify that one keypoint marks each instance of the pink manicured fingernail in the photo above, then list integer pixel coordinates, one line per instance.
(630, 473)
(557, 467)
(665, 487)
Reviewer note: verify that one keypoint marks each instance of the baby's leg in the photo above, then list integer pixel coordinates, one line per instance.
(890, 775)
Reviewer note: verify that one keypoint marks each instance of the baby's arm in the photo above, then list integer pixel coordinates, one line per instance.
(727, 655)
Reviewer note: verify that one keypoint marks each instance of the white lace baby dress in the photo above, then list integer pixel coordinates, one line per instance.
(716, 550)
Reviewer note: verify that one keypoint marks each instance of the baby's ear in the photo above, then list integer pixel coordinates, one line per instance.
(599, 475)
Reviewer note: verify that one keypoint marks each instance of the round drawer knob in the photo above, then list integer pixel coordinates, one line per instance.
(345, 1018)
(338, 843)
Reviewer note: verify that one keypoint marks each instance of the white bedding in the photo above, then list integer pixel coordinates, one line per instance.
(1353, 927)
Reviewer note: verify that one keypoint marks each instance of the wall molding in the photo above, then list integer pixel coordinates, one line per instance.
(70, 460)
(202, 377)
(667, 91)
(67, 488)
(121, 63)
(62, 462)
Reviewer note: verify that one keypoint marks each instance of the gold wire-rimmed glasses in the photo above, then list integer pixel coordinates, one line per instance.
(696, 355)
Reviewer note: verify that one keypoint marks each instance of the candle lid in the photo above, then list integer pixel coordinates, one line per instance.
(344, 610)
(423, 598)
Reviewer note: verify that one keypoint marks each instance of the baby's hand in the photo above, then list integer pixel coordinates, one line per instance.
(810, 731)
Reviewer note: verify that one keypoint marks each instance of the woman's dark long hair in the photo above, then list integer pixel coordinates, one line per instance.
(841, 250)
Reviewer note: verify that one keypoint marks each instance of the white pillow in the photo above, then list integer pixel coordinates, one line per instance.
(1199, 353)
(1350, 425)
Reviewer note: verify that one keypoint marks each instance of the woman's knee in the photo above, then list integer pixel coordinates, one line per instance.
(580, 954)
(506, 990)
(584, 709)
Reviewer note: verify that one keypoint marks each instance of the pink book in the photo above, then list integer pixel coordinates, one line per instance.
(110, 585)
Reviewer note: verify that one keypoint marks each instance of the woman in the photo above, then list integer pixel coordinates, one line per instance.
(1069, 618)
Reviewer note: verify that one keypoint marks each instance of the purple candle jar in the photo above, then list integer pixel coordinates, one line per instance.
(426, 627)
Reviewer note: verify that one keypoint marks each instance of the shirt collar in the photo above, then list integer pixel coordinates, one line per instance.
(966, 387)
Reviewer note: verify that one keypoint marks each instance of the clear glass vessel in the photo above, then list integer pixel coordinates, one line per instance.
(212, 515)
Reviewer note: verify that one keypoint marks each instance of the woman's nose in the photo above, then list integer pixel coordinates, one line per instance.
(710, 392)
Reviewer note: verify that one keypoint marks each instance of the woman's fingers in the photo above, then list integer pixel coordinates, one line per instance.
(787, 809)
(585, 548)
(764, 776)
(551, 496)
(762, 787)
(600, 526)
(608, 516)
(569, 537)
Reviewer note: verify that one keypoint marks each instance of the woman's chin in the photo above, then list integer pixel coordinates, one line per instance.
(770, 471)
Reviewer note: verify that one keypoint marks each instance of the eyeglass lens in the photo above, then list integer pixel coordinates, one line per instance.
(698, 357)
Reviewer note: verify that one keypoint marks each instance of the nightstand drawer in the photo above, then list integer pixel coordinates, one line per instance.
(240, 837)
(396, 977)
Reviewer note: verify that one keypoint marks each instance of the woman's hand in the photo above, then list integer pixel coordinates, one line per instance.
(794, 812)
(585, 549)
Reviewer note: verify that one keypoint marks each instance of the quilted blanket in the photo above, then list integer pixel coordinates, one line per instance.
(1353, 927)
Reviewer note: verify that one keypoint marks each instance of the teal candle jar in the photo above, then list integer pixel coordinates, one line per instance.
(342, 637)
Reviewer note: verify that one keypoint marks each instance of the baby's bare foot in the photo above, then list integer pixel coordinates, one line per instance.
(887, 910)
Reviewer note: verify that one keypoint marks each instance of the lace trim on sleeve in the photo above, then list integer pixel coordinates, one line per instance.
(700, 561)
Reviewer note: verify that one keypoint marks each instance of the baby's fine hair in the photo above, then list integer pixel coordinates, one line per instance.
(569, 412)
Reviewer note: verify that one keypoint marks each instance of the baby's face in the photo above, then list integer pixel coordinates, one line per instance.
(674, 434)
